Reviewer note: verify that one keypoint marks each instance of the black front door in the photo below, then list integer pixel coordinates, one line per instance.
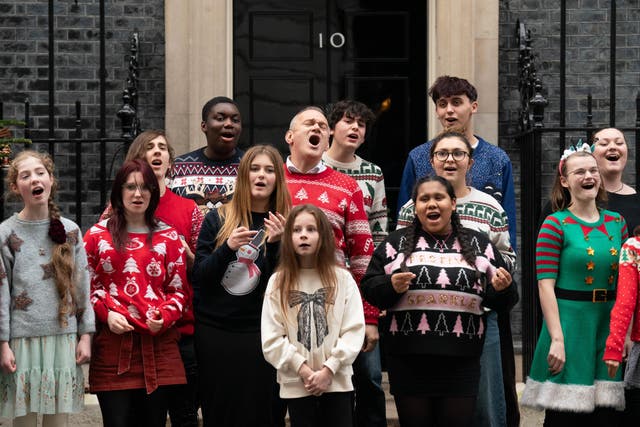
(288, 54)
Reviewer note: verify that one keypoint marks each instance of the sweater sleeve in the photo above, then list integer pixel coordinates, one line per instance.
(548, 248)
(499, 236)
(378, 214)
(5, 294)
(197, 219)
(626, 300)
(100, 299)
(276, 347)
(84, 311)
(210, 262)
(351, 336)
(509, 200)
(376, 283)
(359, 246)
(174, 284)
(504, 300)
(407, 182)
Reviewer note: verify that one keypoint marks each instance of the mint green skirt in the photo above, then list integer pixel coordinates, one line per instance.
(47, 379)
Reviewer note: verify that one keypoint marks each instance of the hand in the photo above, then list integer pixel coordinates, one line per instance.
(371, 337)
(118, 324)
(189, 254)
(305, 373)
(402, 281)
(83, 349)
(275, 226)
(626, 348)
(612, 367)
(239, 237)
(556, 357)
(319, 381)
(501, 279)
(155, 325)
(7, 359)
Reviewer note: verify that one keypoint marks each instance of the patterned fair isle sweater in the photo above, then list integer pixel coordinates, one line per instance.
(141, 279)
(340, 198)
(28, 294)
(371, 181)
(206, 181)
(442, 313)
(478, 211)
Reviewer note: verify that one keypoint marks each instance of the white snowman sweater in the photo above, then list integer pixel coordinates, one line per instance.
(311, 334)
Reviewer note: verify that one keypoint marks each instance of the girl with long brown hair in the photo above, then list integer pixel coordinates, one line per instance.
(44, 302)
(237, 252)
(312, 323)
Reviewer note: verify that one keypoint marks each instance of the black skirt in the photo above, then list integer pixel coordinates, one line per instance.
(436, 376)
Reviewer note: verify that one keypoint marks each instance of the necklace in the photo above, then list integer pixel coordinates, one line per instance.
(440, 243)
(619, 189)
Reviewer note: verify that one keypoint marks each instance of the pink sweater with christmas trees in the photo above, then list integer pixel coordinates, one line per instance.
(442, 313)
(340, 198)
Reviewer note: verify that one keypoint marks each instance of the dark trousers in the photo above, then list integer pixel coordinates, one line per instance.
(135, 408)
(370, 401)
(601, 417)
(631, 415)
(236, 383)
(329, 409)
(183, 405)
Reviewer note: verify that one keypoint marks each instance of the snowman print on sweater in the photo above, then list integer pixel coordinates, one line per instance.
(242, 276)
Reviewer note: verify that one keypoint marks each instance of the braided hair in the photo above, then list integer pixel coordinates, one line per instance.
(463, 234)
(62, 260)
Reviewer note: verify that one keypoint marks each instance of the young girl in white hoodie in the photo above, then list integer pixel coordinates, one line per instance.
(312, 323)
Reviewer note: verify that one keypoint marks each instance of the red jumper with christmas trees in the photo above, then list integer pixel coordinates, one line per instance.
(142, 279)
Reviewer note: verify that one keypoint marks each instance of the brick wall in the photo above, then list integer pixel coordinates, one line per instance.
(24, 63)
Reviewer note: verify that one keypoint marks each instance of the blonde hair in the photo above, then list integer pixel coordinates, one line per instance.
(62, 261)
(237, 213)
(288, 270)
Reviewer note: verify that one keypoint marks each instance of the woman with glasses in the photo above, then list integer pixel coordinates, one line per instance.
(577, 256)
(450, 157)
(184, 215)
(138, 280)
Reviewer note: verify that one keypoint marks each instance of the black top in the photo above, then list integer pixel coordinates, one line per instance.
(229, 285)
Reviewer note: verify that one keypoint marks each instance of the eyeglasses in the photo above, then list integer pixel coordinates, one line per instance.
(580, 173)
(457, 155)
(133, 187)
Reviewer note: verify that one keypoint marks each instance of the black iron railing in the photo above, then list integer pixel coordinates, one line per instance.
(130, 127)
(533, 135)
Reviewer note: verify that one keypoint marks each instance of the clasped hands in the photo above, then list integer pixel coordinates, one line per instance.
(315, 382)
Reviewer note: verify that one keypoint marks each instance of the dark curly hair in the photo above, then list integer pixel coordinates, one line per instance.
(351, 109)
(463, 234)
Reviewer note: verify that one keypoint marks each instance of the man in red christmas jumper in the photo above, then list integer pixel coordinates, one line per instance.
(339, 197)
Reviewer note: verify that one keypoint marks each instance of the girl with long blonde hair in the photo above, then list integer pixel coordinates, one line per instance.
(236, 253)
(312, 323)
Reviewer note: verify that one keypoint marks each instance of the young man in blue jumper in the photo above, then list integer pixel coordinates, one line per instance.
(456, 102)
